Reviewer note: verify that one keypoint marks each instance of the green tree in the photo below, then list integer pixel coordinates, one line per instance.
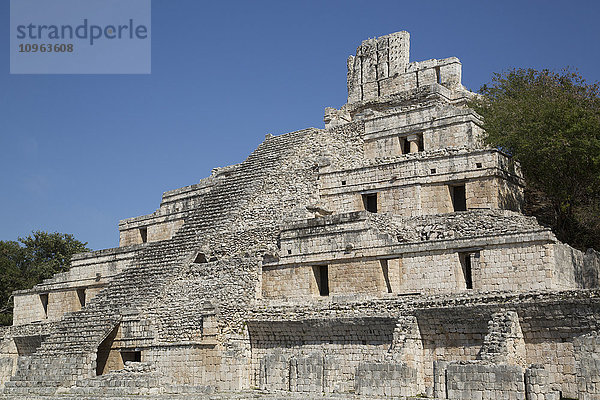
(550, 122)
(12, 258)
(29, 261)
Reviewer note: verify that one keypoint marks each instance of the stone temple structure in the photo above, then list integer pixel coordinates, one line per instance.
(385, 255)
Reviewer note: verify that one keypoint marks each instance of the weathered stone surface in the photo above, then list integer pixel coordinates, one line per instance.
(384, 255)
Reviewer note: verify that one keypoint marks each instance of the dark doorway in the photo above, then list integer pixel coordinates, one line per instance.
(405, 145)
(386, 274)
(321, 273)
(144, 234)
(466, 264)
(135, 356)
(459, 197)
(370, 202)
(104, 351)
(81, 296)
(44, 300)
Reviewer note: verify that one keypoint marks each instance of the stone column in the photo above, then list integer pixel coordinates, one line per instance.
(537, 384)
(414, 143)
(439, 379)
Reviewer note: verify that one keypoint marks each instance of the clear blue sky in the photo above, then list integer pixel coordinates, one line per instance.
(81, 152)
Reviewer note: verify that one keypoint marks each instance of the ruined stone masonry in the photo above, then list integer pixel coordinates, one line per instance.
(384, 255)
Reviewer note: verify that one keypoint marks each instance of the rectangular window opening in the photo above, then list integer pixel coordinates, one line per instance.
(370, 202)
(44, 300)
(343, 183)
(412, 143)
(459, 197)
(465, 263)
(386, 275)
(135, 356)
(404, 146)
(438, 76)
(469, 262)
(144, 234)
(81, 296)
(433, 170)
(321, 273)
(478, 165)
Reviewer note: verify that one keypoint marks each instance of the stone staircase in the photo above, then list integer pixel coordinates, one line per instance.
(69, 354)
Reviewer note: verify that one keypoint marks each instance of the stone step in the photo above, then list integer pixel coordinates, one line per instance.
(64, 355)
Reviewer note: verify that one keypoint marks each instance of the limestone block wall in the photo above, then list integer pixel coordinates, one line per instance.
(358, 277)
(435, 127)
(538, 385)
(319, 356)
(386, 379)
(8, 355)
(531, 266)
(509, 266)
(311, 372)
(200, 365)
(423, 186)
(447, 164)
(149, 230)
(509, 194)
(557, 356)
(517, 266)
(63, 301)
(551, 339)
(459, 131)
(403, 200)
(489, 381)
(494, 193)
(590, 276)
(504, 342)
(310, 239)
(449, 336)
(466, 328)
(447, 72)
(434, 271)
(377, 61)
(467, 381)
(381, 67)
(28, 308)
(587, 356)
(569, 264)
(436, 199)
(428, 198)
(423, 272)
(288, 281)
(479, 250)
(68, 291)
(374, 277)
(418, 118)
